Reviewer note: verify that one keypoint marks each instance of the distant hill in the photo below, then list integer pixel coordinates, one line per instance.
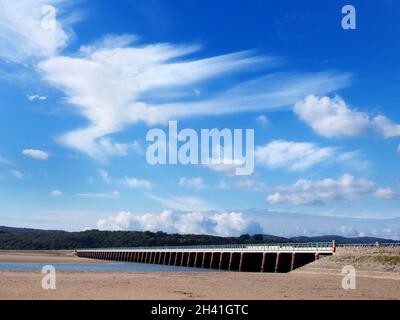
(271, 238)
(26, 230)
(33, 239)
(342, 240)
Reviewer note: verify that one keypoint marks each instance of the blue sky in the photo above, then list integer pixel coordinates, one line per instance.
(78, 98)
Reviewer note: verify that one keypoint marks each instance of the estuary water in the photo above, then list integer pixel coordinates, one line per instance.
(101, 267)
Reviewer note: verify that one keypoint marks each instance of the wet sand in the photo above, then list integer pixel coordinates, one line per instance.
(43, 257)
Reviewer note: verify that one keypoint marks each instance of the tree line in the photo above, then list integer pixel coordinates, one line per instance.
(100, 239)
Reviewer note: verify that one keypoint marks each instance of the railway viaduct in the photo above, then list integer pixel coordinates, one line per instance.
(251, 258)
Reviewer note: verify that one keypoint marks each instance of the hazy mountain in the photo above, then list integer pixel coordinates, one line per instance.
(342, 240)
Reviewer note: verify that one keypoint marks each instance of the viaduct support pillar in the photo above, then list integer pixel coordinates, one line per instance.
(264, 258)
(241, 261)
(212, 260)
(176, 258)
(278, 257)
(195, 259)
(293, 262)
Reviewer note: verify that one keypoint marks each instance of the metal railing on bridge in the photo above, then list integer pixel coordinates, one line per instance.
(272, 247)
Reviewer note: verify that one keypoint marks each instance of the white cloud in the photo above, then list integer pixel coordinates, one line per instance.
(35, 154)
(194, 223)
(24, 31)
(56, 193)
(36, 97)
(292, 155)
(331, 118)
(386, 127)
(105, 84)
(233, 223)
(116, 83)
(387, 193)
(262, 120)
(137, 183)
(18, 174)
(163, 221)
(196, 183)
(118, 223)
(222, 224)
(307, 192)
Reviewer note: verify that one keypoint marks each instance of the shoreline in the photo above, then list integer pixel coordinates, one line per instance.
(29, 256)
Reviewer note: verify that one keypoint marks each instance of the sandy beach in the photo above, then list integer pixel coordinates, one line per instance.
(161, 286)
(43, 257)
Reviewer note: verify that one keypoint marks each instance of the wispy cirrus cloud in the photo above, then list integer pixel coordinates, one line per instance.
(28, 31)
(112, 194)
(113, 85)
